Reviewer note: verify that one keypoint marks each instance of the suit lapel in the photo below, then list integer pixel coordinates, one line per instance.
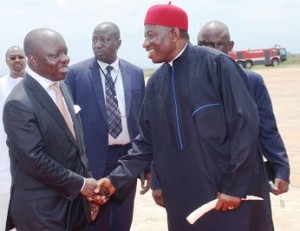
(95, 79)
(39, 95)
(75, 118)
(127, 82)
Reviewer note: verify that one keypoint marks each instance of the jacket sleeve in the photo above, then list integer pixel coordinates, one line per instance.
(242, 124)
(269, 137)
(27, 148)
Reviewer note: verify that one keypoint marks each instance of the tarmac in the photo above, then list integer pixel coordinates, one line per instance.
(284, 88)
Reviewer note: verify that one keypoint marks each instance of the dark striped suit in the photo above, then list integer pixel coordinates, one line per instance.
(48, 165)
(270, 140)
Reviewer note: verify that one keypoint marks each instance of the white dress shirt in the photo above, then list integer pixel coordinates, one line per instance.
(7, 83)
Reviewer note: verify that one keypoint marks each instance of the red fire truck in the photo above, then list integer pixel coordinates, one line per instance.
(268, 57)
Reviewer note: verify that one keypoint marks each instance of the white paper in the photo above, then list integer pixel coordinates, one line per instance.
(199, 212)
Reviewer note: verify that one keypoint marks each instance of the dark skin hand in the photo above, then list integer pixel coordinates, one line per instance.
(146, 187)
(88, 193)
(103, 191)
(227, 202)
(158, 197)
(280, 186)
(89, 187)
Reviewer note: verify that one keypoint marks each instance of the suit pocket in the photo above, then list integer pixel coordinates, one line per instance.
(45, 200)
(209, 120)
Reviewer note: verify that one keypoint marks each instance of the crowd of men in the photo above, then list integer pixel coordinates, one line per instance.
(74, 140)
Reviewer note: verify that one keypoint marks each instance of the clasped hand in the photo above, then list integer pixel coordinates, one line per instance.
(98, 192)
(226, 202)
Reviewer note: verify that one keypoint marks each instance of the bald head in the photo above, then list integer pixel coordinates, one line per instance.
(216, 35)
(109, 27)
(37, 38)
(12, 49)
(46, 51)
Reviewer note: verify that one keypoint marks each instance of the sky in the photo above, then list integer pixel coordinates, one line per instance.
(253, 23)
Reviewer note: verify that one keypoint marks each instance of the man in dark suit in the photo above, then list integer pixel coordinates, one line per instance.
(216, 35)
(50, 173)
(88, 81)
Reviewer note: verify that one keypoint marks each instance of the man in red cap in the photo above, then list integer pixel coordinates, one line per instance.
(199, 128)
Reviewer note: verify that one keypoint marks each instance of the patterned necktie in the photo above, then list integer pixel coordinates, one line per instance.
(62, 107)
(112, 109)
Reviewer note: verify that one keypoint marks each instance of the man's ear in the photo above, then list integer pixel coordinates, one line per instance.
(231, 45)
(175, 33)
(32, 60)
(119, 43)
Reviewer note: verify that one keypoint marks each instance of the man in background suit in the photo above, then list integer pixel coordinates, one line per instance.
(87, 81)
(216, 34)
(16, 62)
(50, 174)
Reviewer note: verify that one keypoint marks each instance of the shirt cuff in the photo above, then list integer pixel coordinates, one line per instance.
(83, 185)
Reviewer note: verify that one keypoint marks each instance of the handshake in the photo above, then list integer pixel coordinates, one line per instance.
(97, 192)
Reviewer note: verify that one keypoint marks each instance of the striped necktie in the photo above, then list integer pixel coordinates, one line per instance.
(112, 109)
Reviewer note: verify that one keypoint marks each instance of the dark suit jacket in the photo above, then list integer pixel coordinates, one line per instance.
(85, 83)
(47, 163)
(270, 140)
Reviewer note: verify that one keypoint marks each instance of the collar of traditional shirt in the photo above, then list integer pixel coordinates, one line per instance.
(115, 65)
(171, 63)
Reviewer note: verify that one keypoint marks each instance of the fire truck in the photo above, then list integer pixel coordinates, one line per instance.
(268, 57)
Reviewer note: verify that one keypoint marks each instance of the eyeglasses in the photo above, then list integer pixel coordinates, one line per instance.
(209, 44)
(13, 58)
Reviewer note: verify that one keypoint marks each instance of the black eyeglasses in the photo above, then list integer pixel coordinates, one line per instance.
(13, 58)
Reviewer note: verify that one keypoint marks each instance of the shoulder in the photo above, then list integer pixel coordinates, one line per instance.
(17, 92)
(253, 76)
(252, 73)
(3, 79)
(85, 64)
(204, 51)
(124, 63)
(201, 56)
(158, 74)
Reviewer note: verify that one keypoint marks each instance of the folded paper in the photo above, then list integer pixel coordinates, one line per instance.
(199, 212)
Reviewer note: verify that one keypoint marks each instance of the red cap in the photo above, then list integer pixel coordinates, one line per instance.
(167, 15)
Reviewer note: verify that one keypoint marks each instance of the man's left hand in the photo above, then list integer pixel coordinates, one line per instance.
(280, 186)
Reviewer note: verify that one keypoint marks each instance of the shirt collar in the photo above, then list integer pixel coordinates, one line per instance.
(115, 65)
(183, 49)
(44, 82)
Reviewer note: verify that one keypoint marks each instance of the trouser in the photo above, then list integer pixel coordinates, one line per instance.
(117, 214)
